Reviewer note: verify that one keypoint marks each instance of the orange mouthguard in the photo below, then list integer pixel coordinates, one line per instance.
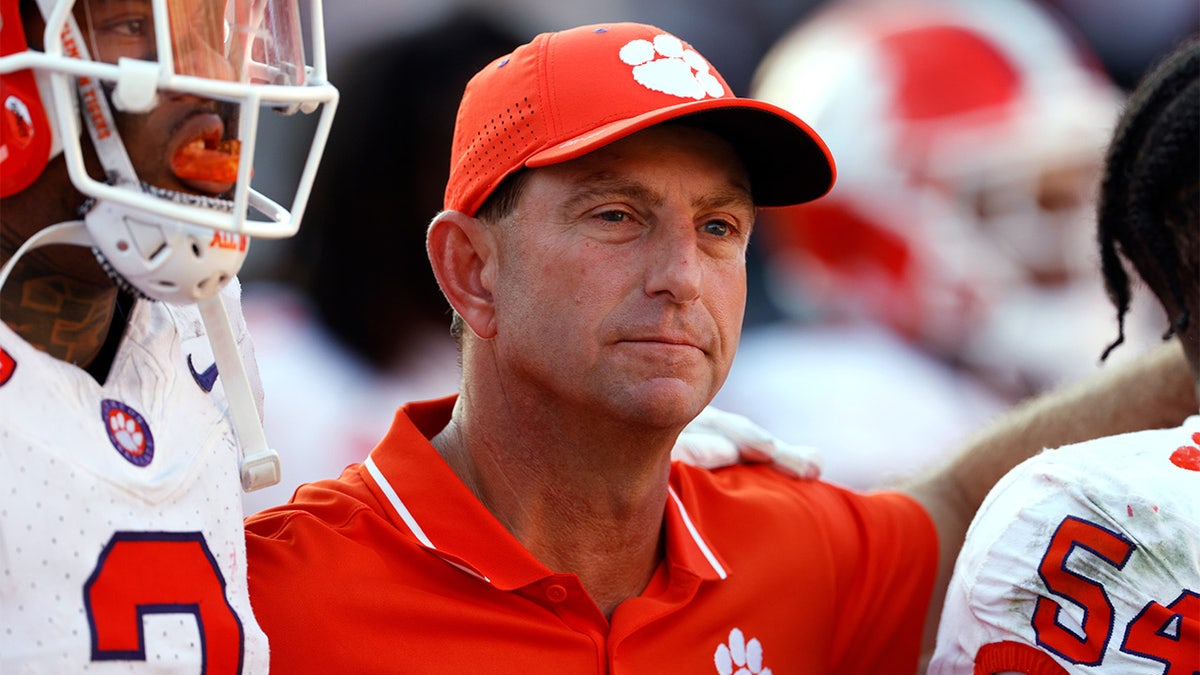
(215, 161)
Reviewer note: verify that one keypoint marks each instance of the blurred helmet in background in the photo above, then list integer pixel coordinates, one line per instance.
(969, 138)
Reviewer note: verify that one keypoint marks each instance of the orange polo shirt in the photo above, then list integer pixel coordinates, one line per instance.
(395, 567)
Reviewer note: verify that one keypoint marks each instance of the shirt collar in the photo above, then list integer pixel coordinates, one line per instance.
(406, 472)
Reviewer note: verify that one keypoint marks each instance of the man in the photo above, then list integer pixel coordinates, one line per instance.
(603, 187)
(121, 546)
(1087, 558)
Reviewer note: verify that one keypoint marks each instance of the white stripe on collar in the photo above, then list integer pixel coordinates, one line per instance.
(687, 521)
(408, 518)
(394, 498)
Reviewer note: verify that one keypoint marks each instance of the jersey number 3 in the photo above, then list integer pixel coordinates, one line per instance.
(140, 573)
(1166, 634)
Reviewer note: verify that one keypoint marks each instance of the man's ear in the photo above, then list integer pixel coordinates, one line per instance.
(462, 252)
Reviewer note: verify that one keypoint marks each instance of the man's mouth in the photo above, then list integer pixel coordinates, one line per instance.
(208, 160)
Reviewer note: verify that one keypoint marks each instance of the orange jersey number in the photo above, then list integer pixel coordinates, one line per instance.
(162, 573)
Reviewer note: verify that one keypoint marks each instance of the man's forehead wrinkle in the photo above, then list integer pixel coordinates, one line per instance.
(606, 183)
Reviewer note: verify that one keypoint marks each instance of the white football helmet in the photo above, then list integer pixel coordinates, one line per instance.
(181, 241)
(968, 136)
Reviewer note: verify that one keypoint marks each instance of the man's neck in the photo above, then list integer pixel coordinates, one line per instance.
(57, 298)
(574, 503)
(66, 318)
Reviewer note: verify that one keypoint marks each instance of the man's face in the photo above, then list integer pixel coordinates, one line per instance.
(620, 283)
(125, 28)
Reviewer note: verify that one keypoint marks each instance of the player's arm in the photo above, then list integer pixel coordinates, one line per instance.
(1154, 391)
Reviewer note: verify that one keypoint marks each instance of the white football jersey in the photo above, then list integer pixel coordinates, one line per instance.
(121, 540)
(1084, 559)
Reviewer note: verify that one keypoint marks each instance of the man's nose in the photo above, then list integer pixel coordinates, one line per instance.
(673, 262)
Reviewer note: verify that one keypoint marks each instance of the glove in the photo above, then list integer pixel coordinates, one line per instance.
(717, 438)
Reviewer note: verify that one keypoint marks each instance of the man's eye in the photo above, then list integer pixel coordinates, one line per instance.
(719, 228)
(613, 216)
(133, 28)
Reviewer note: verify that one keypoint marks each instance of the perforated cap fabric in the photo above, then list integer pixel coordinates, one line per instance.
(565, 94)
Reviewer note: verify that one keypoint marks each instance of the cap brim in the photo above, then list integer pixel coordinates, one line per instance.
(786, 161)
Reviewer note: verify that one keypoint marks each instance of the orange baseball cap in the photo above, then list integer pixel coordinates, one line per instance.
(565, 94)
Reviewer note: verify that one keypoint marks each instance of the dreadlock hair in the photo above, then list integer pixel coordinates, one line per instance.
(1148, 203)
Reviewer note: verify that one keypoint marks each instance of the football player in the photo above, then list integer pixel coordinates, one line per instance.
(1087, 558)
(127, 382)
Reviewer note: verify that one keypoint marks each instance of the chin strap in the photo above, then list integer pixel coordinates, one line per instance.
(260, 464)
(70, 232)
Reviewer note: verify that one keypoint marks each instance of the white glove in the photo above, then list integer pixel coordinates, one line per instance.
(717, 438)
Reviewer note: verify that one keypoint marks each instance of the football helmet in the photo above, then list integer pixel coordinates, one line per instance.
(179, 241)
(968, 136)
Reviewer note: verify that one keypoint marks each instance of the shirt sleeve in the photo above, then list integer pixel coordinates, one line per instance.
(890, 563)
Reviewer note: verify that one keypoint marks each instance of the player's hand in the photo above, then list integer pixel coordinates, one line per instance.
(718, 438)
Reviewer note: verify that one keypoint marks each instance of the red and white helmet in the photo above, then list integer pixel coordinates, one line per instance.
(968, 137)
(246, 55)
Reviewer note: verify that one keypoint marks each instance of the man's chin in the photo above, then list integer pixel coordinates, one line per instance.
(667, 403)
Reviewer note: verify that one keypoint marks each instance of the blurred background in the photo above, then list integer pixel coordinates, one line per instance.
(949, 273)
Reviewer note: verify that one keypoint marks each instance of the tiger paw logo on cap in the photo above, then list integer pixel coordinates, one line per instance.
(667, 66)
